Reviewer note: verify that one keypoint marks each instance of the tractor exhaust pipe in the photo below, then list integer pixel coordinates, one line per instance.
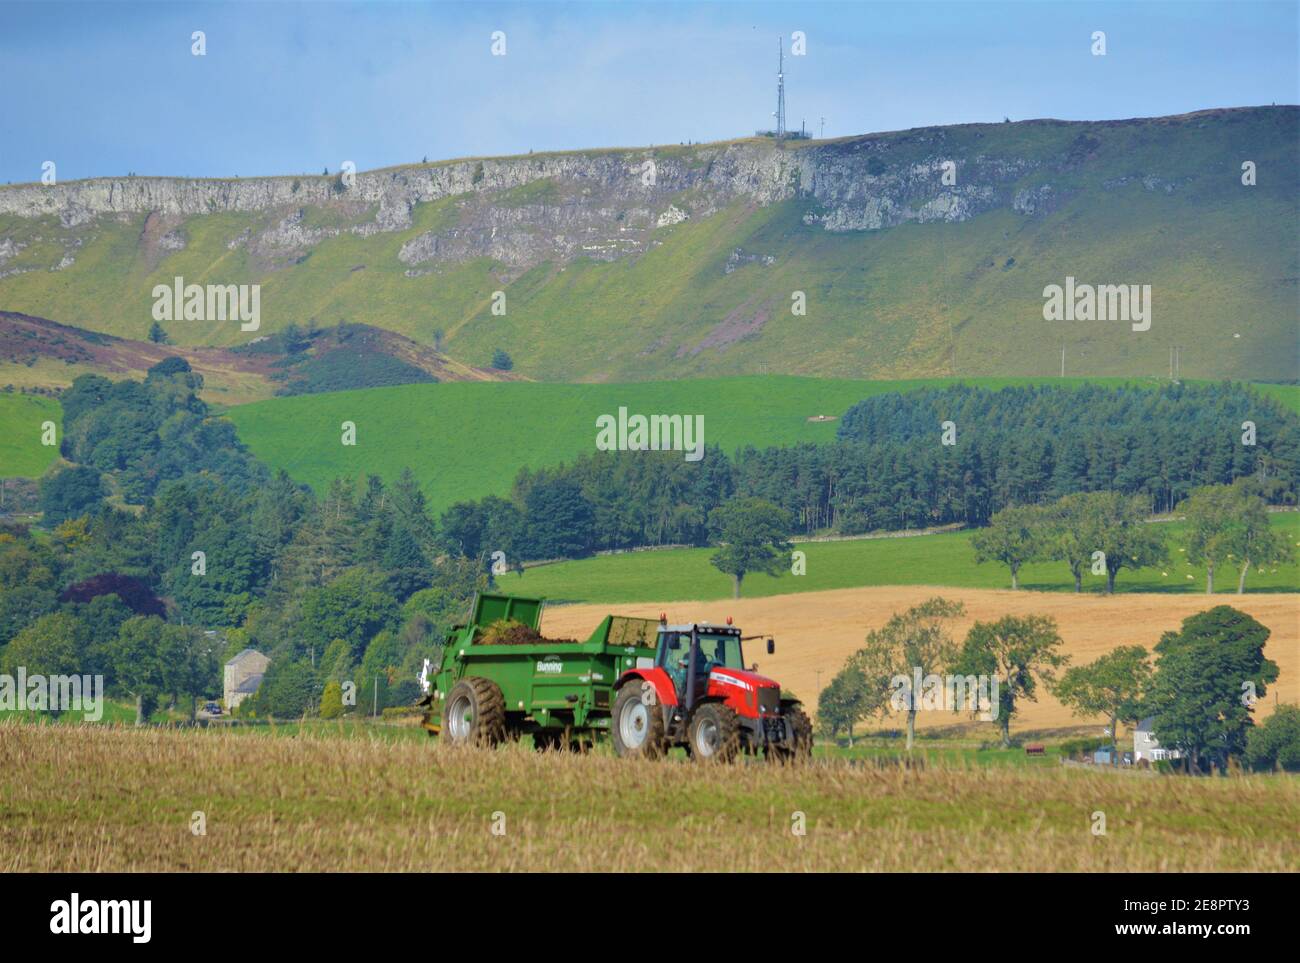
(690, 670)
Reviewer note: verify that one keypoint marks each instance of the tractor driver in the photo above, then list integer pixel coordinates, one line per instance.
(677, 652)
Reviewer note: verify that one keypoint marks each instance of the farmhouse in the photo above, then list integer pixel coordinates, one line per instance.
(1147, 746)
(243, 675)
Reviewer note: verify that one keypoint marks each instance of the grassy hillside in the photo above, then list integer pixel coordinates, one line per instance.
(469, 440)
(21, 453)
(946, 559)
(934, 299)
(1155, 202)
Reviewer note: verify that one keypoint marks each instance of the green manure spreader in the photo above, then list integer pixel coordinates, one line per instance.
(648, 686)
(500, 679)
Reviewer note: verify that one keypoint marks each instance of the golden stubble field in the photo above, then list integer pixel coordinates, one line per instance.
(102, 798)
(817, 631)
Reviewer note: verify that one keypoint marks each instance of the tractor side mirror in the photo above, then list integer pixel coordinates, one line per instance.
(771, 646)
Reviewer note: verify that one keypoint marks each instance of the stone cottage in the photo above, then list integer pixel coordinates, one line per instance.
(242, 676)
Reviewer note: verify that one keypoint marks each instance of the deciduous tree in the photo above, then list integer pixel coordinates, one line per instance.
(1021, 651)
(1114, 686)
(136, 659)
(916, 641)
(752, 537)
(1208, 675)
(1014, 536)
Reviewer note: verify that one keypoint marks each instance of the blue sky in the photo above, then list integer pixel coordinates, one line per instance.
(107, 88)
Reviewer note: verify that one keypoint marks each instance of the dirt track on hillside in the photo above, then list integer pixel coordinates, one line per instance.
(819, 630)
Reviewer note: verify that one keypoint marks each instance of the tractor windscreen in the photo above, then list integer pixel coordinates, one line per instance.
(722, 651)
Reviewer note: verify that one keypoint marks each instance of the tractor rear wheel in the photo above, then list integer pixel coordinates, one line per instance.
(638, 728)
(475, 714)
(801, 735)
(714, 734)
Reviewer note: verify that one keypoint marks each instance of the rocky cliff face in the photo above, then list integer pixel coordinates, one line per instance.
(604, 205)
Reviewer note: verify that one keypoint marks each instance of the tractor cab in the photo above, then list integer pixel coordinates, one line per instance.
(689, 653)
(700, 661)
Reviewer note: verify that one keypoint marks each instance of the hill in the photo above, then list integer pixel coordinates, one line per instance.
(37, 353)
(938, 559)
(662, 262)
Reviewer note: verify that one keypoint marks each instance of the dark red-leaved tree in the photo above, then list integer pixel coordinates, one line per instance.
(134, 593)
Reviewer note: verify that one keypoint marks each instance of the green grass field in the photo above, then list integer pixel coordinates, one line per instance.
(1288, 395)
(21, 453)
(945, 559)
(468, 440)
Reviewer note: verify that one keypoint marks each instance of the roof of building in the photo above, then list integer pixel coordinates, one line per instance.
(249, 685)
(244, 655)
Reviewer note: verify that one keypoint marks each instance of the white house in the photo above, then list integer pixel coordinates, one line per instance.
(1147, 746)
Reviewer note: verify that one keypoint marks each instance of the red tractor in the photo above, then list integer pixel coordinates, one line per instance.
(699, 694)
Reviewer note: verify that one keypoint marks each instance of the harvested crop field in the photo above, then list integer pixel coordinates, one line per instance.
(820, 630)
(96, 798)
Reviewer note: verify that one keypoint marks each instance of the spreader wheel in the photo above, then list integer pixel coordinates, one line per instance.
(475, 714)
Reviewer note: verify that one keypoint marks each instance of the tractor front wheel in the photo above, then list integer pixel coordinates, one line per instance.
(799, 749)
(638, 728)
(475, 714)
(714, 734)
